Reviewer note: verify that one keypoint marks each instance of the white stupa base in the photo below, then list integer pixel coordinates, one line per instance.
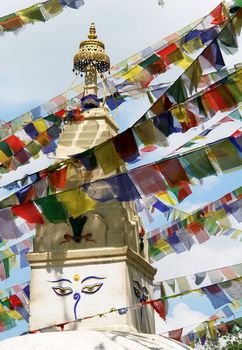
(91, 340)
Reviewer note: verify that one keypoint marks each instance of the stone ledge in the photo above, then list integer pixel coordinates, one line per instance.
(91, 256)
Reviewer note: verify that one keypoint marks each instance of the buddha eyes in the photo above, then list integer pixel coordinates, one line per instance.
(62, 290)
(92, 289)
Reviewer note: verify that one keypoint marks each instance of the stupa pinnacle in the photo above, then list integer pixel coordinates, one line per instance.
(90, 60)
(102, 265)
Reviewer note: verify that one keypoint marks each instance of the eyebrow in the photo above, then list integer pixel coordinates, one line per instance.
(92, 277)
(61, 280)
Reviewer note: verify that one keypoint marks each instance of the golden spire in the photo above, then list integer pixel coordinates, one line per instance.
(91, 53)
(92, 32)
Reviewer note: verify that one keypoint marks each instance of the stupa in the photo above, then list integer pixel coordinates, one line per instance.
(104, 267)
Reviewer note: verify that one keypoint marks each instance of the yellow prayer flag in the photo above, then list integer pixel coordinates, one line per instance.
(13, 263)
(132, 73)
(76, 202)
(235, 234)
(185, 62)
(212, 329)
(52, 8)
(192, 45)
(7, 252)
(164, 196)
(40, 125)
(15, 314)
(3, 157)
(180, 113)
(164, 246)
(31, 14)
(236, 304)
(1, 308)
(108, 157)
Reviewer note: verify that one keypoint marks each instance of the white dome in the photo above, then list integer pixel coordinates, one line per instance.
(91, 340)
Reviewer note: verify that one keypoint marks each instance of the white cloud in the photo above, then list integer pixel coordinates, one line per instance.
(182, 316)
(215, 253)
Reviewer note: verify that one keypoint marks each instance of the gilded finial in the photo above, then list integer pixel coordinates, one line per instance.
(92, 32)
(91, 53)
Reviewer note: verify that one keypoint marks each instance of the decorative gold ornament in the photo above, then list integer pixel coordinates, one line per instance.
(91, 53)
(76, 277)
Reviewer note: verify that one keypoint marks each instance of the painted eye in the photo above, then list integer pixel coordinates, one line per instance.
(137, 292)
(92, 289)
(62, 290)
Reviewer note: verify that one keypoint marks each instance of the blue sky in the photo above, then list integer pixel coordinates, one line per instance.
(36, 65)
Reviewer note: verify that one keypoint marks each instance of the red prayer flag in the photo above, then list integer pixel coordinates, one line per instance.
(11, 23)
(28, 212)
(60, 113)
(15, 301)
(126, 146)
(2, 327)
(217, 13)
(173, 171)
(58, 178)
(183, 192)
(164, 53)
(175, 334)
(15, 143)
(159, 307)
(195, 227)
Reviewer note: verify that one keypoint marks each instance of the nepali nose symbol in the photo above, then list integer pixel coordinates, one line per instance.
(77, 297)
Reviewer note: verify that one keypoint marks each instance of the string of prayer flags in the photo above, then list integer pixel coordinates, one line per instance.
(209, 220)
(196, 31)
(13, 305)
(163, 177)
(17, 150)
(207, 330)
(40, 12)
(210, 54)
(13, 257)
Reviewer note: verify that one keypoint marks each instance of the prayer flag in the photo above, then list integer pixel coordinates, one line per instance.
(28, 212)
(173, 171)
(108, 157)
(216, 296)
(126, 146)
(123, 188)
(52, 209)
(147, 179)
(76, 202)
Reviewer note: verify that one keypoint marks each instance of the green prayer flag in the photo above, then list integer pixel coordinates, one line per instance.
(238, 322)
(7, 321)
(6, 267)
(238, 192)
(31, 14)
(4, 147)
(33, 148)
(177, 91)
(152, 59)
(200, 105)
(226, 155)
(197, 164)
(194, 73)
(52, 209)
(211, 226)
(238, 2)
(235, 91)
(6, 303)
(228, 39)
(54, 119)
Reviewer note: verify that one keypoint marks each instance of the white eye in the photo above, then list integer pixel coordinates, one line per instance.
(62, 290)
(92, 289)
